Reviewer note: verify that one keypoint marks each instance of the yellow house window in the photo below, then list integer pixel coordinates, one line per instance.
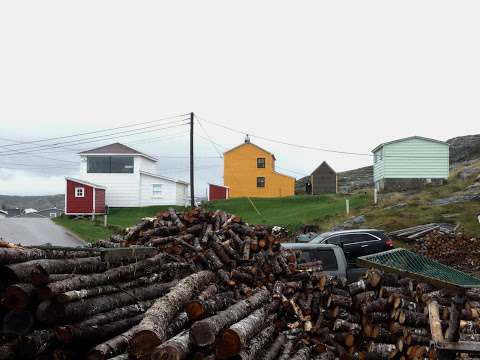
(260, 182)
(261, 163)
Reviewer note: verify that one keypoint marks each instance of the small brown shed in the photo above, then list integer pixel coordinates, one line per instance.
(323, 180)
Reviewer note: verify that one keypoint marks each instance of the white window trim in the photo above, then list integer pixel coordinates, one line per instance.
(82, 190)
(157, 196)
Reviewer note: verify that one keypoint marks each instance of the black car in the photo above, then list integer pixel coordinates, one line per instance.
(357, 242)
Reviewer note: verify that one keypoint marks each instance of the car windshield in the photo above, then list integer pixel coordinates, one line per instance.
(321, 237)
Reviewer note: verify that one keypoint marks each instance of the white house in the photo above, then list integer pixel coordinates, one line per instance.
(130, 178)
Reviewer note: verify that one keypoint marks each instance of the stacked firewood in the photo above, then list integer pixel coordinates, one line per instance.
(455, 249)
(206, 285)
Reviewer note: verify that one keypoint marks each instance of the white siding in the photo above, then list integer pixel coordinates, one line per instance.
(146, 165)
(182, 194)
(122, 189)
(169, 191)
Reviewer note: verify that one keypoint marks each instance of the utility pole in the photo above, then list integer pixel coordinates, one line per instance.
(192, 179)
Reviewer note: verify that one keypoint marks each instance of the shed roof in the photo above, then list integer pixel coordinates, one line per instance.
(409, 138)
(324, 163)
(164, 177)
(88, 183)
(116, 149)
(249, 143)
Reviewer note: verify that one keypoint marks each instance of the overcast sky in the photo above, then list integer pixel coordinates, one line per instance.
(344, 75)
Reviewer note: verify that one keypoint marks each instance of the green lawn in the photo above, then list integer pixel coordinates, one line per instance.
(289, 212)
(84, 228)
(118, 219)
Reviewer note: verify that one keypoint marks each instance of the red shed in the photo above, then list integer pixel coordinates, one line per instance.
(84, 198)
(218, 192)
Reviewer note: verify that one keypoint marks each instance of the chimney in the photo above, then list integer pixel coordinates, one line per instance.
(247, 139)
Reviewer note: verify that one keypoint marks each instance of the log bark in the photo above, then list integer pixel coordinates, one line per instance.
(112, 347)
(67, 332)
(151, 332)
(36, 343)
(233, 339)
(18, 322)
(19, 296)
(258, 343)
(287, 350)
(110, 276)
(91, 333)
(21, 254)
(74, 295)
(205, 331)
(37, 271)
(200, 309)
(411, 318)
(52, 312)
(176, 348)
(274, 350)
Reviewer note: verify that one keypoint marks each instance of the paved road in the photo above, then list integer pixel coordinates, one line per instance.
(36, 231)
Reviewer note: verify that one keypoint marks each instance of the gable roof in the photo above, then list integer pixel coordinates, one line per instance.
(249, 143)
(95, 186)
(409, 138)
(324, 163)
(116, 149)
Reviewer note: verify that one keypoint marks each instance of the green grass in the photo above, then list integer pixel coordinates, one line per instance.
(118, 219)
(84, 228)
(125, 217)
(289, 212)
(418, 209)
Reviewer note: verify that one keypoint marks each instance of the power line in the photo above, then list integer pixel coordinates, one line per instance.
(97, 131)
(92, 141)
(312, 147)
(98, 138)
(49, 158)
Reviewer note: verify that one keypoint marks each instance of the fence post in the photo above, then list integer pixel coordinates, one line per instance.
(375, 196)
(105, 220)
(347, 205)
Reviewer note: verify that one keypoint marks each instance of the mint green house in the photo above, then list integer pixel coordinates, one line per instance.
(409, 163)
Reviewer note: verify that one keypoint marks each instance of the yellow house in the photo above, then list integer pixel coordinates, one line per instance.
(249, 170)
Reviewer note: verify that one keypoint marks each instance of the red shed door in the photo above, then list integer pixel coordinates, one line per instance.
(99, 201)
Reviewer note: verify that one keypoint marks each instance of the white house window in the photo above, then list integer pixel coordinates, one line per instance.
(79, 192)
(157, 190)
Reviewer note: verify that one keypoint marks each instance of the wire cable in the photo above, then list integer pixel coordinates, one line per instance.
(99, 138)
(102, 130)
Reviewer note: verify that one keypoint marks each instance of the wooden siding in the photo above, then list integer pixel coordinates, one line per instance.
(323, 180)
(413, 159)
(99, 201)
(241, 172)
(378, 165)
(79, 205)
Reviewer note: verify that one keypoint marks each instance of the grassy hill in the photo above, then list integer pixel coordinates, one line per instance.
(399, 210)
(290, 212)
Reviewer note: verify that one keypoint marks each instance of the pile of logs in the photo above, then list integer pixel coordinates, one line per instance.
(455, 249)
(206, 285)
(417, 232)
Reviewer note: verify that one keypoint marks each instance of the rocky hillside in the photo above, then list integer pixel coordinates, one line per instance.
(463, 148)
(356, 179)
(34, 202)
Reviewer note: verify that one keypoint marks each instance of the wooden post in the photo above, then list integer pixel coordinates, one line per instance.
(347, 205)
(192, 179)
(105, 220)
(375, 196)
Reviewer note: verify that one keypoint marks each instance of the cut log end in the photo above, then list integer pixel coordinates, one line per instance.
(143, 343)
(228, 345)
(202, 334)
(194, 310)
